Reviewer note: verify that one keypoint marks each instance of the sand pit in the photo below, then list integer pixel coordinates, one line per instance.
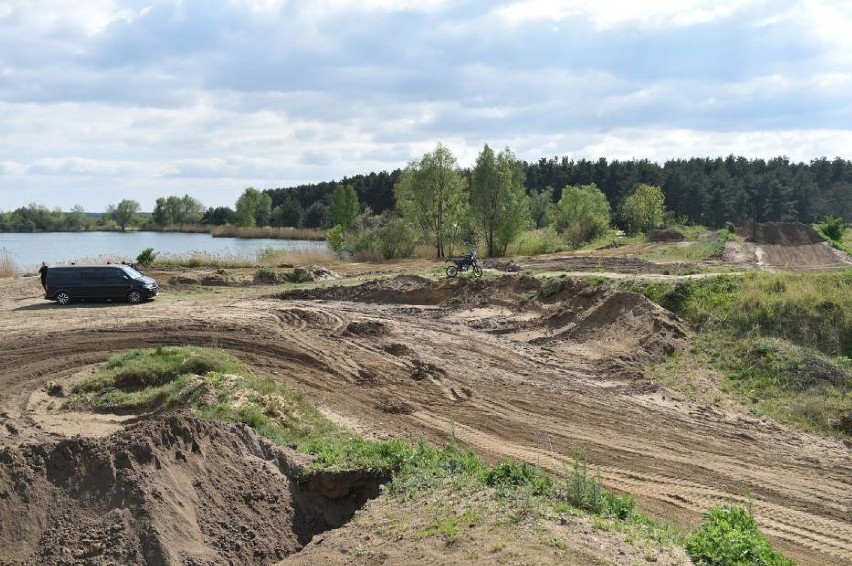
(170, 490)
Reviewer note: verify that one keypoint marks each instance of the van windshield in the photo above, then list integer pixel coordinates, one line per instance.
(131, 272)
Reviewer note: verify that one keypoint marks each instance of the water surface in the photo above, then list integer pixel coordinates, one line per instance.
(29, 250)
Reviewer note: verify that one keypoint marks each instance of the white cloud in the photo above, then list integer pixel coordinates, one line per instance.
(607, 14)
(106, 98)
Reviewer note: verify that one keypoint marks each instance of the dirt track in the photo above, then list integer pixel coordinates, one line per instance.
(499, 378)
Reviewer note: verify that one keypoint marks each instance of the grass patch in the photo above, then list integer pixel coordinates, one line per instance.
(693, 250)
(813, 310)
(729, 536)
(788, 382)
(782, 341)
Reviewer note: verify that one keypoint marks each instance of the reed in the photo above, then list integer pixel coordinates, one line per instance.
(8, 268)
(305, 256)
(285, 233)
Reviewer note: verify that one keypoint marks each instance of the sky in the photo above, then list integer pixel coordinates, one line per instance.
(104, 100)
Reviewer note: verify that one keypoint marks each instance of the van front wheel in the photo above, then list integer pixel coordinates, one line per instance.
(63, 298)
(134, 297)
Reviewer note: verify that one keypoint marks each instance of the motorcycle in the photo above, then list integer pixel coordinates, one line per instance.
(463, 264)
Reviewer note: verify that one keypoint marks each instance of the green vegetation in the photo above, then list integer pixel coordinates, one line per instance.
(643, 209)
(124, 213)
(431, 194)
(146, 257)
(837, 234)
(344, 207)
(729, 536)
(173, 210)
(694, 249)
(582, 214)
(215, 385)
(783, 341)
(498, 202)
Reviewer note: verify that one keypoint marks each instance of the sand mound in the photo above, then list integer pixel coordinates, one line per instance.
(665, 236)
(779, 233)
(605, 322)
(416, 290)
(170, 490)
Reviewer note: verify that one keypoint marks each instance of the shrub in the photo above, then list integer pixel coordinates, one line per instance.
(334, 237)
(396, 239)
(729, 537)
(508, 473)
(146, 257)
(541, 241)
(833, 228)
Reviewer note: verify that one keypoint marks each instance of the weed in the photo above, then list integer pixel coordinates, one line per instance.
(730, 535)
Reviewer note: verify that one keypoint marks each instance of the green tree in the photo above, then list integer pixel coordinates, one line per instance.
(344, 207)
(541, 202)
(582, 214)
(254, 208)
(124, 213)
(643, 209)
(431, 195)
(77, 219)
(497, 198)
(177, 210)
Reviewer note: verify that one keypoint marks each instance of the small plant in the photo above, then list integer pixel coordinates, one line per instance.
(730, 536)
(146, 257)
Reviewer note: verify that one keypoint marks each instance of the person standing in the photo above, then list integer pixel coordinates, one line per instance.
(42, 273)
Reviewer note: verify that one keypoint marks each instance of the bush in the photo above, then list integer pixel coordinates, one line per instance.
(729, 537)
(396, 239)
(334, 237)
(147, 257)
(833, 228)
(507, 474)
(541, 241)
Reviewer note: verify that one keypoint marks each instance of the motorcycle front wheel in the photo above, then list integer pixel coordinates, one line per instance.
(452, 271)
(477, 270)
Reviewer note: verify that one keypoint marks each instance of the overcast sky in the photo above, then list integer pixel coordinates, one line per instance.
(102, 100)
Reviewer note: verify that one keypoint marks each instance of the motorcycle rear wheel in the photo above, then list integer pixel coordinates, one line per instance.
(452, 271)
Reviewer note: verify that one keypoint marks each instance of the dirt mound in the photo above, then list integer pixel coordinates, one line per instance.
(665, 236)
(561, 312)
(779, 233)
(606, 322)
(507, 266)
(416, 290)
(171, 490)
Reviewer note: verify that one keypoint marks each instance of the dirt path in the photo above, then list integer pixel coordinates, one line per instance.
(428, 372)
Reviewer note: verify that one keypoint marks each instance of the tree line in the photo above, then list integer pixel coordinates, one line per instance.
(708, 191)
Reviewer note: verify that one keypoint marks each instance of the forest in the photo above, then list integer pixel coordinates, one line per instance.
(706, 191)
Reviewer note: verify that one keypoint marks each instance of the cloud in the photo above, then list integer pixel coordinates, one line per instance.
(109, 97)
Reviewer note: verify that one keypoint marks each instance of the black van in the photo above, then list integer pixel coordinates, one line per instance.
(67, 283)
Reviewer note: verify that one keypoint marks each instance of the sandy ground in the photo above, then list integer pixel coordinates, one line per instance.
(480, 371)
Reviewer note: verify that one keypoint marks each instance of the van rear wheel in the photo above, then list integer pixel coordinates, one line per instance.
(134, 297)
(63, 297)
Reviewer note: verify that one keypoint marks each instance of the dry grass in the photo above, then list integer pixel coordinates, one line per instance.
(304, 256)
(187, 228)
(267, 232)
(8, 268)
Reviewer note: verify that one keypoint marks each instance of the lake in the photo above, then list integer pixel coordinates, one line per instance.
(29, 250)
